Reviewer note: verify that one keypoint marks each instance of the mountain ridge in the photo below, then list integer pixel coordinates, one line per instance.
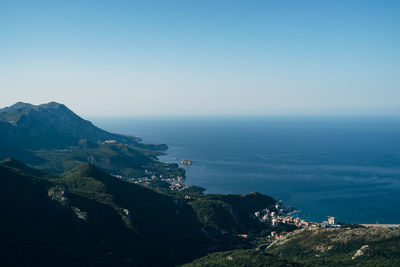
(51, 137)
(56, 119)
(101, 220)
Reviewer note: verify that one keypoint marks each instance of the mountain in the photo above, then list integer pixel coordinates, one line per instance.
(52, 125)
(54, 139)
(18, 105)
(88, 217)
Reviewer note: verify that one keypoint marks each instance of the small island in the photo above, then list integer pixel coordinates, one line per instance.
(186, 162)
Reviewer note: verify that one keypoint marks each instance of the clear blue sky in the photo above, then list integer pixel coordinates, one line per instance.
(202, 57)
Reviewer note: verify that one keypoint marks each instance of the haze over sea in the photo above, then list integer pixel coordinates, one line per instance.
(347, 167)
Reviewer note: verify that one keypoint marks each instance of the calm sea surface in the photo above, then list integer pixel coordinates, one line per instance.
(343, 167)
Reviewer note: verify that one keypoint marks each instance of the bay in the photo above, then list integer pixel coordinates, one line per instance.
(347, 167)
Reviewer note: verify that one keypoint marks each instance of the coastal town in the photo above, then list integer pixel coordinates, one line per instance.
(276, 215)
(174, 182)
(279, 213)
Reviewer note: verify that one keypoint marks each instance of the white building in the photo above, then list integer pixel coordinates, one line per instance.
(331, 220)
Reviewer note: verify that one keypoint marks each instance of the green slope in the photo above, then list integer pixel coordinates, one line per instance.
(318, 247)
(52, 138)
(338, 247)
(231, 212)
(86, 216)
(245, 258)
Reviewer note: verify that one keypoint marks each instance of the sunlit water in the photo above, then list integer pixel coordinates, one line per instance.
(343, 167)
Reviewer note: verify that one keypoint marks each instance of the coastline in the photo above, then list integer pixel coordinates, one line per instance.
(288, 216)
(320, 178)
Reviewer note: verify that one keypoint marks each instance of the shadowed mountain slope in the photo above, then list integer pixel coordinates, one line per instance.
(52, 125)
(54, 139)
(89, 217)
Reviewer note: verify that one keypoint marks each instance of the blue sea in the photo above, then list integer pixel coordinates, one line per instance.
(347, 167)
